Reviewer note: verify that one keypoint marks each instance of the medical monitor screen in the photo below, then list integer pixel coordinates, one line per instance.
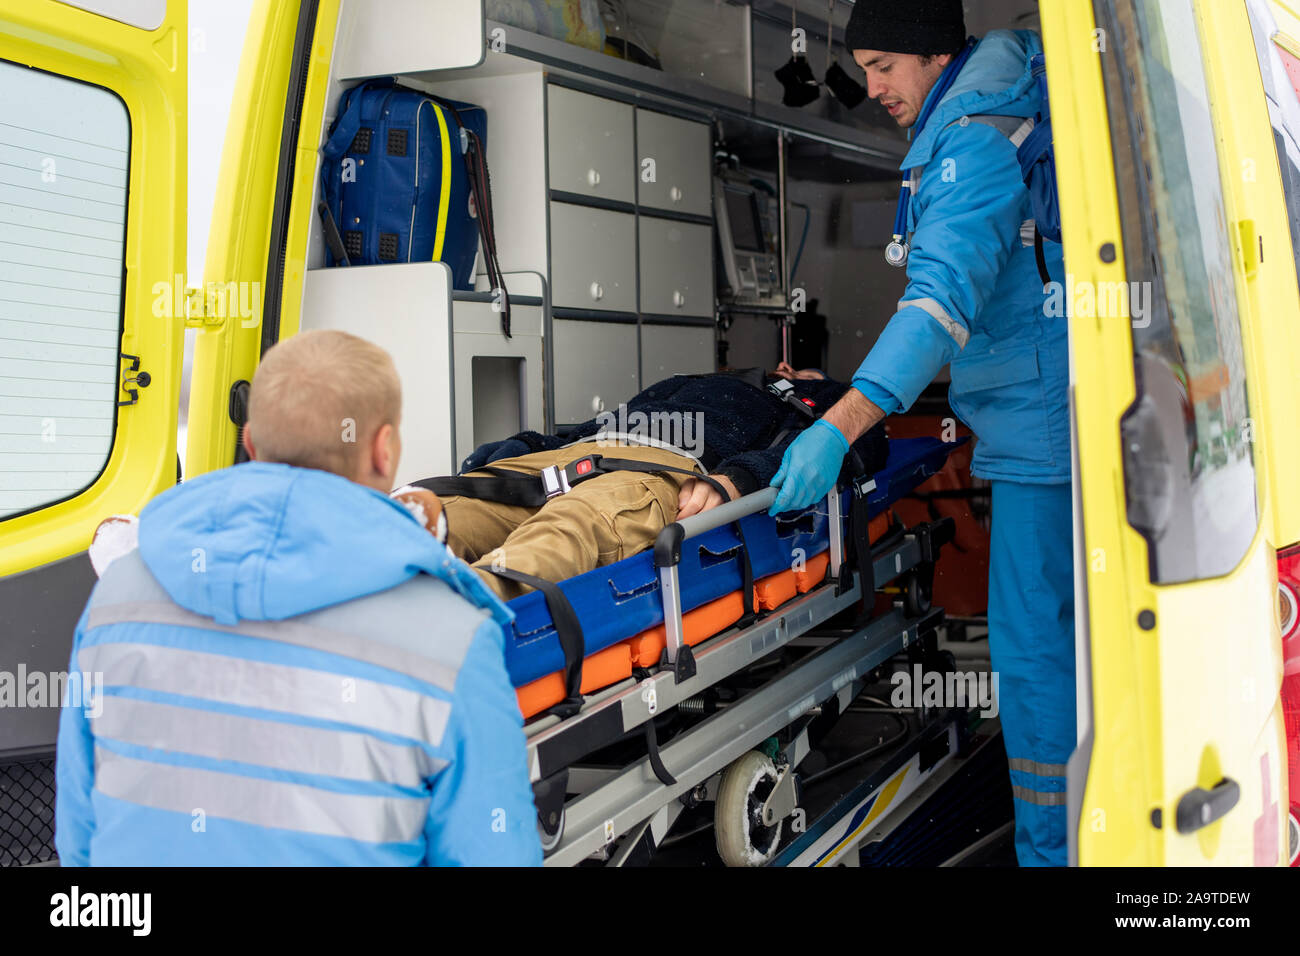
(742, 211)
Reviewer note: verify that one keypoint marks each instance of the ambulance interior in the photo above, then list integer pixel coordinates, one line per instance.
(639, 195)
(616, 282)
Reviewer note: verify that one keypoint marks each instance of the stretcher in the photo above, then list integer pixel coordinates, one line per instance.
(620, 607)
(668, 631)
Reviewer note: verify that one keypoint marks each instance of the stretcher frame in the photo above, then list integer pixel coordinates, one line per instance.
(635, 804)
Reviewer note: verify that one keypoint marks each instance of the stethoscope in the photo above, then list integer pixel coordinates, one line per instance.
(899, 249)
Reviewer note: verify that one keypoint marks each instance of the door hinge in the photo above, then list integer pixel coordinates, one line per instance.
(139, 378)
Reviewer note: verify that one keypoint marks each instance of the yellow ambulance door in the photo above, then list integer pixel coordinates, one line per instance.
(1179, 649)
(264, 216)
(270, 144)
(92, 242)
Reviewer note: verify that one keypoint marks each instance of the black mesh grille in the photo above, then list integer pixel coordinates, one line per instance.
(388, 245)
(361, 142)
(397, 142)
(352, 243)
(27, 811)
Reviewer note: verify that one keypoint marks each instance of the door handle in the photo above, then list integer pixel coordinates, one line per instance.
(1200, 807)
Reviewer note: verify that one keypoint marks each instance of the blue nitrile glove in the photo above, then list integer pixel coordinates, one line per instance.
(809, 467)
(492, 451)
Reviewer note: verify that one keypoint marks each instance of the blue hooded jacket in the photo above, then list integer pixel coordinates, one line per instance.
(974, 295)
(294, 672)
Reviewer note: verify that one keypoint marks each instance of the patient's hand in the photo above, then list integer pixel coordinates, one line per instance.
(697, 496)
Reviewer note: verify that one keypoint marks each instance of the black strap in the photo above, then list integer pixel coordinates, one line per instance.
(567, 627)
(1041, 257)
(517, 488)
(631, 464)
(481, 185)
(332, 237)
(780, 437)
(656, 761)
(747, 580)
(859, 536)
(784, 390)
(524, 491)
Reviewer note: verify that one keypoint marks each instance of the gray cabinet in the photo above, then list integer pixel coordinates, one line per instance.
(668, 350)
(589, 145)
(681, 151)
(595, 367)
(676, 267)
(593, 258)
(625, 247)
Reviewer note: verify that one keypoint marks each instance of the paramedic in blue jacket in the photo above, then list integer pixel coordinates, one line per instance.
(294, 671)
(975, 299)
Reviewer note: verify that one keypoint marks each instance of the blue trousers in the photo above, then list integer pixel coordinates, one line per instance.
(1031, 642)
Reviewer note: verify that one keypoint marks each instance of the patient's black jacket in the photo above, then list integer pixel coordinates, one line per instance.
(738, 428)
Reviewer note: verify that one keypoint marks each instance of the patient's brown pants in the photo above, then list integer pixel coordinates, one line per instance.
(600, 521)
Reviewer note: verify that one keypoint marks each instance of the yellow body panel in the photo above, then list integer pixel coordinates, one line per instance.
(1195, 698)
(1277, 342)
(147, 69)
(238, 250)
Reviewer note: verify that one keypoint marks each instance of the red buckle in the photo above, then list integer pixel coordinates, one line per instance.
(581, 469)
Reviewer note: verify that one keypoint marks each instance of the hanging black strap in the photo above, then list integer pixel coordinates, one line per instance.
(1041, 257)
(567, 628)
(656, 761)
(747, 580)
(859, 534)
(481, 187)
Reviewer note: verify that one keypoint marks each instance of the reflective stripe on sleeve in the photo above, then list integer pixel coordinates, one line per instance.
(937, 312)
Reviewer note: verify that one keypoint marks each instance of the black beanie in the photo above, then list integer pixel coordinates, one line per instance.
(924, 27)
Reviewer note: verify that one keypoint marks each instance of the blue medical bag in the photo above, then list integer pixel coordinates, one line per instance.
(404, 179)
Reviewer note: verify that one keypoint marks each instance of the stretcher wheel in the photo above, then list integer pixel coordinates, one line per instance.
(916, 597)
(742, 838)
(551, 838)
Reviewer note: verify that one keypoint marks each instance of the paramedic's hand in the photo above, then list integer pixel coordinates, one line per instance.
(697, 496)
(809, 467)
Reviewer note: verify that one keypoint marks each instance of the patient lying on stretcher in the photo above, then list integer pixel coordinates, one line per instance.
(546, 506)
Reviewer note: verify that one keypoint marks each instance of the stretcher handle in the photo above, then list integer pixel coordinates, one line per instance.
(668, 545)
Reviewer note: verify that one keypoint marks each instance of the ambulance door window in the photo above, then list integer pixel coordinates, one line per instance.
(1280, 71)
(64, 150)
(1189, 474)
